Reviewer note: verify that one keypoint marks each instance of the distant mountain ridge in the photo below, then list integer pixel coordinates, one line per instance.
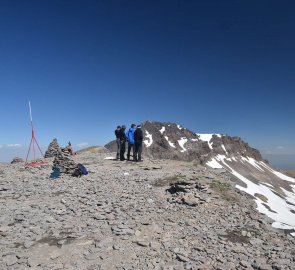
(165, 140)
(273, 191)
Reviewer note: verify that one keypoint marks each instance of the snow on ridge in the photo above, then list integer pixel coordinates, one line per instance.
(282, 215)
(149, 140)
(162, 130)
(181, 143)
(253, 162)
(207, 138)
(223, 147)
(179, 127)
(214, 164)
(280, 209)
(170, 143)
(278, 174)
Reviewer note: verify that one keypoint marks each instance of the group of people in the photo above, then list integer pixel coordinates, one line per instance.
(134, 137)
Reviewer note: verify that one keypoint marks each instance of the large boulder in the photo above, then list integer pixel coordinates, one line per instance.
(17, 160)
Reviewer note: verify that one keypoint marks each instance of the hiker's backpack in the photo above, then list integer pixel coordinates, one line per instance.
(56, 173)
(77, 172)
(83, 169)
(80, 170)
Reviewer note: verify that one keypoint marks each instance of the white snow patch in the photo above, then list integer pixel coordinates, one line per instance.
(234, 159)
(207, 138)
(149, 140)
(267, 184)
(290, 195)
(253, 162)
(181, 143)
(223, 147)
(170, 143)
(220, 157)
(109, 158)
(179, 127)
(162, 130)
(282, 215)
(278, 174)
(194, 140)
(214, 164)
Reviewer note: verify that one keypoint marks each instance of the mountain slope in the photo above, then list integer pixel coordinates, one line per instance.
(273, 192)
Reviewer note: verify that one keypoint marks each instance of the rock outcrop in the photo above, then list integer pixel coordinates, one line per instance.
(172, 141)
(17, 160)
(273, 191)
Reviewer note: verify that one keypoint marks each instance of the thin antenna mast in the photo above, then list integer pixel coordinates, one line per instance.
(30, 112)
(33, 140)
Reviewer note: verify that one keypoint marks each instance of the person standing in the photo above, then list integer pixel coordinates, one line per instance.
(130, 138)
(117, 133)
(123, 140)
(138, 138)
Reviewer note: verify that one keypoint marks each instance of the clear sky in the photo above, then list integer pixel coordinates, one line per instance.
(86, 66)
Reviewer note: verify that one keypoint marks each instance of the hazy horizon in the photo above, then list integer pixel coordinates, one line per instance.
(280, 161)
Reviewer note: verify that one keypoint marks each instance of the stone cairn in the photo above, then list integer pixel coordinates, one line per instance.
(65, 161)
(52, 149)
(16, 160)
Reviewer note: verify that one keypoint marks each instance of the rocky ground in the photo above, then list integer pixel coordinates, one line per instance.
(157, 214)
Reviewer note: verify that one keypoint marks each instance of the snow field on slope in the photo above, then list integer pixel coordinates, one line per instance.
(170, 143)
(223, 147)
(207, 138)
(149, 140)
(162, 130)
(275, 207)
(181, 143)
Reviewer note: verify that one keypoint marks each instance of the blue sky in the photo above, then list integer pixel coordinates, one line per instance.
(86, 66)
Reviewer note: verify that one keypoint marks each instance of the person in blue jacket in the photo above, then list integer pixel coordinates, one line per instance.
(130, 139)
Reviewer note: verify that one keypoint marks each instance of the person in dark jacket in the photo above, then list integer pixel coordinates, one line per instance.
(117, 133)
(123, 140)
(130, 139)
(138, 138)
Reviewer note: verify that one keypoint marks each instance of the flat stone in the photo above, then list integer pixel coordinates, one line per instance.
(10, 259)
(265, 267)
(143, 243)
(182, 258)
(33, 262)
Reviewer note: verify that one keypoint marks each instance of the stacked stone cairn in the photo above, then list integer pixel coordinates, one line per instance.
(65, 161)
(52, 149)
(16, 160)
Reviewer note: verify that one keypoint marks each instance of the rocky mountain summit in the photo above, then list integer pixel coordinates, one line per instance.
(273, 191)
(172, 141)
(196, 202)
(158, 214)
